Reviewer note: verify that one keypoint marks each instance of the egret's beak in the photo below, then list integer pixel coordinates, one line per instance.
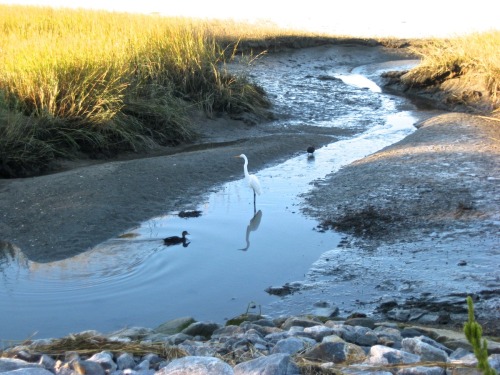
(236, 156)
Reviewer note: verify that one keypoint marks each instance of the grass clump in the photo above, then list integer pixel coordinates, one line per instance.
(474, 55)
(96, 82)
(87, 344)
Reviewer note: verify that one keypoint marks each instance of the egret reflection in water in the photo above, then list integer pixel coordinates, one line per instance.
(252, 226)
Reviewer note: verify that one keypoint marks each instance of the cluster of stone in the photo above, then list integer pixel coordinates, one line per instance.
(258, 345)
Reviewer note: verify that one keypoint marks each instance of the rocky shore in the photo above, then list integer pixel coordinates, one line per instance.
(252, 344)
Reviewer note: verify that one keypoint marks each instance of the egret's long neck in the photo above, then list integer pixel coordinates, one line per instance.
(245, 168)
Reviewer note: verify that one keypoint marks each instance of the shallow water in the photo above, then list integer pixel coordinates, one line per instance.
(234, 253)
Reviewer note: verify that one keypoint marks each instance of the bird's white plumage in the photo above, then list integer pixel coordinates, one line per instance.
(252, 179)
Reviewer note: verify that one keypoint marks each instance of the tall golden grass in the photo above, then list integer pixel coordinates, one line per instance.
(441, 59)
(98, 82)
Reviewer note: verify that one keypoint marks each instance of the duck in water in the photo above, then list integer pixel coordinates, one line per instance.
(176, 240)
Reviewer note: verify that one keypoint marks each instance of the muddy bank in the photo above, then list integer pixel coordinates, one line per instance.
(444, 176)
(433, 201)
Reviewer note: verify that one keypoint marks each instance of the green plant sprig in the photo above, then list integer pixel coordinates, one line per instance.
(474, 333)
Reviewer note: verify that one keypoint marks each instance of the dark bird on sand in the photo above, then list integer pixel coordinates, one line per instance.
(310, 151)
(176, 240)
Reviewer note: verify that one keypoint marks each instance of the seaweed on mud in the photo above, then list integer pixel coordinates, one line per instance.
(368, 222)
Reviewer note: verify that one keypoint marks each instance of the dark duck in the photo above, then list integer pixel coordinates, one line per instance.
(310, 151)
(176, 240)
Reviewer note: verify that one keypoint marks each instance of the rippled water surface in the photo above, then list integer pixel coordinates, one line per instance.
(234, 253)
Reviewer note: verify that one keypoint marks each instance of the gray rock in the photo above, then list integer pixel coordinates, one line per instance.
(459, 353)
(427, 352)
(335, 352)
(262, 329)
(154, 359)
(299, 322)
(249, 339)
(105, 359)
(363, 322)
(277, 336)
(28, 371)
(265, 323)
(9, 364)
(436, 344)
(125, 361)
(178, 338)
(290, 345)
(274, 364)
(388, 336)
(194, 348)
(400, 315)
(71, 356)
(325, 309)
(132, 333)
(47, 362)
(421, 370)
(227, 331)
(205, 329)
(432, 318)
(142, 366)
(360, 336)
(88, 368)
(383, 355)
(318, 332)
(192, 365)
(365, 336)
(174, 326)
(494, 361)
(155, 337)
(410, 332)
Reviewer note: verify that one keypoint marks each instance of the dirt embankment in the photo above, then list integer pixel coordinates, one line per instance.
(436, 195)
(445, 175)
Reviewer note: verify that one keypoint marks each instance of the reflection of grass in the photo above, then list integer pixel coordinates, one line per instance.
(475, 55)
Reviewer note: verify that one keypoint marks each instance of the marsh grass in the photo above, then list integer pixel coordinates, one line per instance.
(473, 54)
(96, 82)
(100, 83)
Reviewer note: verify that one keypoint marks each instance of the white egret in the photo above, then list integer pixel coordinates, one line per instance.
(175, 240)
(252, 179)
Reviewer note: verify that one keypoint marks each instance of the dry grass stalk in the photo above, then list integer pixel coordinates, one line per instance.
(87, 345)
